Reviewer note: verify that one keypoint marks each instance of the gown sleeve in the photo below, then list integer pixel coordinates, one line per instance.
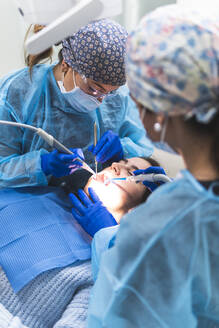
(146, 279)
(17, 168)
(103, 240)
(133, 137)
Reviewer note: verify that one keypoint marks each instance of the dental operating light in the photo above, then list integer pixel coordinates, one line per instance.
(62, 18)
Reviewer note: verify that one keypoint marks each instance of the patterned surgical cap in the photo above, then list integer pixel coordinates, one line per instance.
(173, 63)
(97, 51)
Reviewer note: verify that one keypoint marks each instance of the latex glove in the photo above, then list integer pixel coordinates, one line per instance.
(59, 164)
(108, 148)
(90, 213)
(152, 169)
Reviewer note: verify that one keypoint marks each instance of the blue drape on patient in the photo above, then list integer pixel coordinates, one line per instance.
(38, 233)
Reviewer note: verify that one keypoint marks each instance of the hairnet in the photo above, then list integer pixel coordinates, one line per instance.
(173, 63)
(97, 51)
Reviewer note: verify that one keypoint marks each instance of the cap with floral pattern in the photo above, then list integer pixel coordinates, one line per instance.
(97, 51)
(173, 63)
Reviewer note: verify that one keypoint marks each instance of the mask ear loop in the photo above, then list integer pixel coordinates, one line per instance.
(142, 116)
(164, 128)
(75, 85)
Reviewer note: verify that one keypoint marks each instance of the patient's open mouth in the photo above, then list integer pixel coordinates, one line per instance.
(103, 178)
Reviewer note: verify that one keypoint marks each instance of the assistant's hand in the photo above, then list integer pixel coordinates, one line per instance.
(108, 148)
(152, 169)
(90, 213)
(59, 164)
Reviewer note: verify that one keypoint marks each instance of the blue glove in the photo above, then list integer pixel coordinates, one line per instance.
(90, 213)
(59, 164)
(108, 148)
(152, 169)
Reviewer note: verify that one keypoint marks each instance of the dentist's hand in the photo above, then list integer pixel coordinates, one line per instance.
(59, 164)
(152, 169)
(90, 213)
(108, 148)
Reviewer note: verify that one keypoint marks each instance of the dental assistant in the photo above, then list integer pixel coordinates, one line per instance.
(163, 268)
(86, 86)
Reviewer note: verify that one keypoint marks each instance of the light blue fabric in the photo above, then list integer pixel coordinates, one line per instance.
(163, 269)
(78, 99)
(164, 146)
(38, 233)
(101, 242)
(57, 298)
(39, 102)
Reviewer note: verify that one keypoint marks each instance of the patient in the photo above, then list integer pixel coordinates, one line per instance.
(45, 254)
(120, 196)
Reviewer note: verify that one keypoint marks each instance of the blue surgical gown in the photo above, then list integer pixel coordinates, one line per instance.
(103, 240)
(163, 269)
(38, 101)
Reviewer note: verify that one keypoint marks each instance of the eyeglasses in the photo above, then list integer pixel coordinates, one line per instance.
(95, 92)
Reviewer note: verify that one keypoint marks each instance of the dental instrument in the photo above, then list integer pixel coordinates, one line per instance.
(152, 177)
(95, 143)
(62, 18)
(49, 139)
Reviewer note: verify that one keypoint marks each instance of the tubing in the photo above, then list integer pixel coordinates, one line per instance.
(49, 139)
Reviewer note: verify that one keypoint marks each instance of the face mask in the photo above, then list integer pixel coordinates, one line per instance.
(164, 146)
(78, 99)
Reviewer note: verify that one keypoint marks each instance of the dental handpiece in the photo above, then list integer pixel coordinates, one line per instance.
(151, 177)
(95, 143)
(50, 140)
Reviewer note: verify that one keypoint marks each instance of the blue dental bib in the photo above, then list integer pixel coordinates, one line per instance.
(38, 233)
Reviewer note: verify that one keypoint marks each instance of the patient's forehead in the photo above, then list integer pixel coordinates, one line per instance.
(136, 162)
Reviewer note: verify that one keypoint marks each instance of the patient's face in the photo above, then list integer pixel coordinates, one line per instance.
(119, 195)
